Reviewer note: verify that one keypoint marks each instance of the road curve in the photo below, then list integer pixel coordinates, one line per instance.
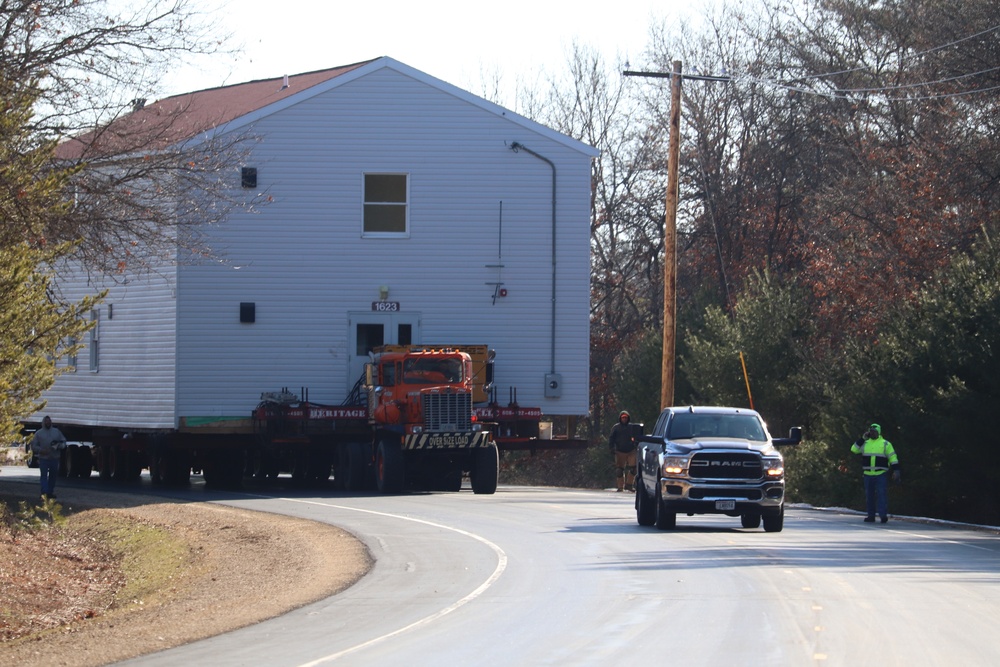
(534, 576)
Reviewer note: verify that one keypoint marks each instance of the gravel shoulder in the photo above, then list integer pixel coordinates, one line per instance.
(130, 575)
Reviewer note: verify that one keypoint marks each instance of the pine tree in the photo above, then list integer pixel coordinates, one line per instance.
(36, 328)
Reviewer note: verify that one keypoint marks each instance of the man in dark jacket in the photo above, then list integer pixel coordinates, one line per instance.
(622, 443)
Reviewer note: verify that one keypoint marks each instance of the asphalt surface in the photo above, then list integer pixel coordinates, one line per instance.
(537, 576)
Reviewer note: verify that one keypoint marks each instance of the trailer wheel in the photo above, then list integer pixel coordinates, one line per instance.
(177, 468)
(104, 462)
(353, 466)
(452, 481)
(115, 465)
(78, 462)
(485, 470)
(265, 466)
(126, 466)
(389, 466)
(224, 468)
(300, 468)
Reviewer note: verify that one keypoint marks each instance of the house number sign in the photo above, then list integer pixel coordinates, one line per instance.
(385, 306)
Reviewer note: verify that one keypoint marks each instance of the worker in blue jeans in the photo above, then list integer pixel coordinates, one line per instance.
(47, 444)
(877, 459)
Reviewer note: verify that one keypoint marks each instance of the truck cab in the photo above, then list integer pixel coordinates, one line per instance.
(420, 405)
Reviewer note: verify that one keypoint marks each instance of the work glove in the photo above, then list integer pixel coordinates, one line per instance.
(860, 441)
(897, 477)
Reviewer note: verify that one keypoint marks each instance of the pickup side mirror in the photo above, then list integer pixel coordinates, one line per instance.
(652, 442)
(794, 437)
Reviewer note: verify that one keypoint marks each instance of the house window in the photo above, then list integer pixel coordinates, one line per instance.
(95, 341)
(71, 357)
(386, 205)
(369, 336)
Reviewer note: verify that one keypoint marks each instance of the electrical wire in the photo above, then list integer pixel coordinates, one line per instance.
(846, 94)
(790, 85)
(904, 58)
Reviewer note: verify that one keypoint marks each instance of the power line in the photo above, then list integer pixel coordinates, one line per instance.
(904, 58)
(850, 93)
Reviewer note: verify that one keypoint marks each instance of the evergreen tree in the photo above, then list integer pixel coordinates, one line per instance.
(36, 329)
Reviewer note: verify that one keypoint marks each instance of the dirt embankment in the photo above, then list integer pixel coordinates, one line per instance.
(130, 575)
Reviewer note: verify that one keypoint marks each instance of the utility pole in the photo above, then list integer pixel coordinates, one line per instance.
(667, 373)
(668, 368)
(670, 244)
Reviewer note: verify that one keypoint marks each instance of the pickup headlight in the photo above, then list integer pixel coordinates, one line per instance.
(675, 465)
(774, 469)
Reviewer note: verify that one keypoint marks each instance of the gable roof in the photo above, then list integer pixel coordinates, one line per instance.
(180, 117)
(188, 116)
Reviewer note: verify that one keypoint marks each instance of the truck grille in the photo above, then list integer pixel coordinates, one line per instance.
(447, 412)
(725, 465)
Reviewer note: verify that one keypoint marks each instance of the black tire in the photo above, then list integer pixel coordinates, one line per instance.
(353, 469)
(115, 464)
(103, 462)
(319, 469)
(176, 468)
(224, 469)
(157, 468)
(300, 468)
(389, 466)
(750, 520)
(485, 472)
(645, 511)
(664, 520)
(75, 462)
(773, 523)
(449, 480)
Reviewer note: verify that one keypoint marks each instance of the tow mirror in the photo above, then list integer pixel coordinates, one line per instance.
(794, 437)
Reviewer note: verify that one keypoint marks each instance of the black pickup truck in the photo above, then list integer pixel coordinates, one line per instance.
(711, 460)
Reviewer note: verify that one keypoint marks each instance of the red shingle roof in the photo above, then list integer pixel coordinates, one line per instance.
(174, 119)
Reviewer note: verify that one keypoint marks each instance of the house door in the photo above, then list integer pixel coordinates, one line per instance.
(369, 330)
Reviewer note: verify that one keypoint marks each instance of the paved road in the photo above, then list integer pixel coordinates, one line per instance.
(535, 576)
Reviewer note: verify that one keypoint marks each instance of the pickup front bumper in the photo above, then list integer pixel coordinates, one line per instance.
(680, 495)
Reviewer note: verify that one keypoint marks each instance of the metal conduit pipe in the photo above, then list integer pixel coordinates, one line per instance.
(516, 147)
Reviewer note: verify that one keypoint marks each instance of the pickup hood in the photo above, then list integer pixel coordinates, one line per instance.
(691, 445)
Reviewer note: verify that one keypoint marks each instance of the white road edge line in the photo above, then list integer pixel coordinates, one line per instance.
(930, 538)
(499, 570)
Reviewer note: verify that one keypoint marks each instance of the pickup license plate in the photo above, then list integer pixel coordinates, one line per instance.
(725, 504)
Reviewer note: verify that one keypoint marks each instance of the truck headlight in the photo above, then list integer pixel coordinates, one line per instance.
(774, 469)
(675, 465)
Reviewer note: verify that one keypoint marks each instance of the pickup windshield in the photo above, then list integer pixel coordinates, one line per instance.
(693, 425)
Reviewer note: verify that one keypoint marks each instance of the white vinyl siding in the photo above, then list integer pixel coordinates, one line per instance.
(135, 385)
(303, 263)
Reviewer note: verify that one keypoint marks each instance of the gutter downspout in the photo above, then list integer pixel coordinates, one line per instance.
(515, 146)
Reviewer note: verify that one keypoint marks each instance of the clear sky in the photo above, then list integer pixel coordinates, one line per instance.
(464, 43)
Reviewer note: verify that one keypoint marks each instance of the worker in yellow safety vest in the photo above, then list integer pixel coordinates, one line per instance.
(877, 458)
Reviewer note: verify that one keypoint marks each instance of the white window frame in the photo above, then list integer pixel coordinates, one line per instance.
(405, 204)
